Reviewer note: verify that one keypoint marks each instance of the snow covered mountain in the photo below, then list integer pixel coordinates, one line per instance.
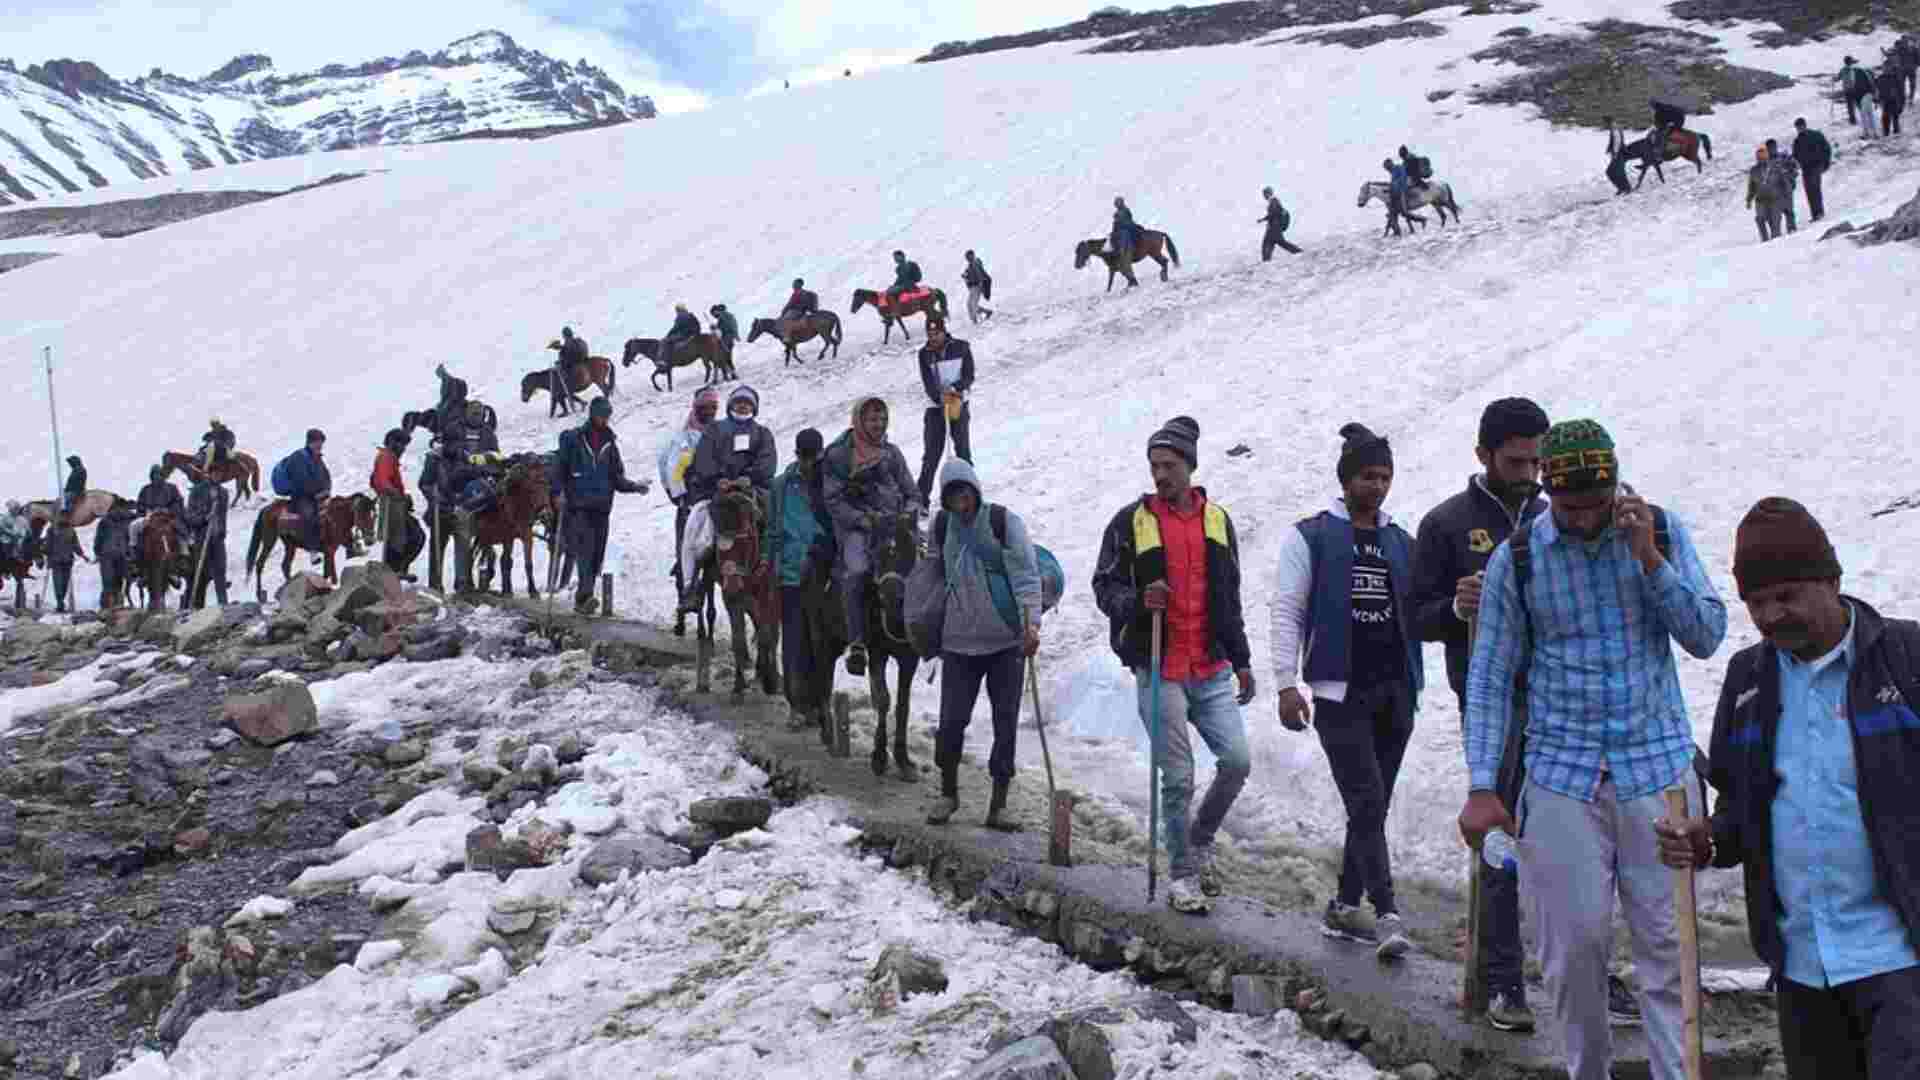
(66, 125)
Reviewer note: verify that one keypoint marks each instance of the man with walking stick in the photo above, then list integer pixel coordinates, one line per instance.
(1172, 560)
(207, 520)
(1588, 600)
(1814, 757)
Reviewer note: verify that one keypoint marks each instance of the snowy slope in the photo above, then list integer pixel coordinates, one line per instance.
(1727, 371)
(66, 126)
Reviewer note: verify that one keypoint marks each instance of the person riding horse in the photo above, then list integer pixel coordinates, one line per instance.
(16, 528)
(160, 494)
(76, 488)
(906, 278)
(802, 303)
(1667, 119)
(866, 483)
(1125, 234)
(217, 445)
(573, 353)
(725, 325)
(310, 484)
(736, 448)
(1419, 169)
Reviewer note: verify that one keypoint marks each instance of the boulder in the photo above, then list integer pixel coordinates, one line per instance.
(273, 716)
(486, 850)
(634, 852)
(732, 813)
(1082, 1039)
(206, 626)
(917, 972)
(1033, 1058)
(1258, 995)
(442, 647)
(404, 752)
(301, 588)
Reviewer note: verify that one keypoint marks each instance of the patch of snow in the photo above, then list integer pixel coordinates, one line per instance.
(260, 909)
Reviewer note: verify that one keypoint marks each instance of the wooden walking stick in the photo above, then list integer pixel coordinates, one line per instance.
(1687, 914)
(1060, 804)
(1153, 765)
(1474, 991)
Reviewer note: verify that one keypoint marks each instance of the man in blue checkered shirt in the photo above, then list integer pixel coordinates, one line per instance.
(1607, 734)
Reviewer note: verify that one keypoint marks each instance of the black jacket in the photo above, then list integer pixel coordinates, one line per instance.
(1812, 150)
(1456, 539)
(574, 351)
(1882, 691)
(160, 495)
(207, 510)
(1122, 572)
(1892, 88)
(77, 481)
(63, 545)
(1277, 218)
(113, 537)
(956, 350)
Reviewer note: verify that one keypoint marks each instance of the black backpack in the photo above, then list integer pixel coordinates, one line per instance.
(1422, 168)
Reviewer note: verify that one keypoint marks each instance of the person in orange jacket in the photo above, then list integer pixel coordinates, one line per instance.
(390, 487)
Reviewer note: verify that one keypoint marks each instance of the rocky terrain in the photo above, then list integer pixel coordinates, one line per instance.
(66, 125)
(126, 217)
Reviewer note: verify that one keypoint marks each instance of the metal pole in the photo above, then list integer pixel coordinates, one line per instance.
(53, 420)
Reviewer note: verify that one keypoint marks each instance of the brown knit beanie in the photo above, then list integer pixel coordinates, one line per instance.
(1779, 541)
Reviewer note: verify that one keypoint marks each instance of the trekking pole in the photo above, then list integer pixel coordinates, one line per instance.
(1153, 765)
(1474, 988)
(199, 569)
(1060, 818)
(1687, 914)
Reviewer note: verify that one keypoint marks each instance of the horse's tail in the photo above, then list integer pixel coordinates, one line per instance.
(1173, 250)
(833, 329)
(612, 374)
(255, 557)
(253, 475)
(1706, 143)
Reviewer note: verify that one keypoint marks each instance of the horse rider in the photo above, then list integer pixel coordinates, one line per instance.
(1397, 182)
(217, 445)
(725, 325)
(311, 484)
(16, 528)
(1419, 169)
(802, 303)
(1667, 119)
(584, 479)
(573, 354)
(866, 483)
(676, 460)
(160, 494)
(206, 520)
(1121, 238)
(735, 450)
(76, 488)
(906, 278)
(685, 328)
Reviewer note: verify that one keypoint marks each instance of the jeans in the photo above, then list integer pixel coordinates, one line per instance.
(587, 540)
(1767, 219)
(1210, 706)
(960, 679)
(680, 513)
(935, 444)
(62, 578)
(1890, 121)
(307, 509)
(1816, 199)
(797, 660)
(1365, 738)
(855, 572)
(1275, 239)
(1863, 1030)
(1869, 119)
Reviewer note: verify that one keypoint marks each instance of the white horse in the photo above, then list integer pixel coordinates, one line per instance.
(1437, 194)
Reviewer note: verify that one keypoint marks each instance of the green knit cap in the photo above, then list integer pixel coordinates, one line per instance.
(1576, 456)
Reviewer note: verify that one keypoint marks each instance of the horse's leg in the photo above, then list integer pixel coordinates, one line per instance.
(882, 705)
(703, 636)
(737, 623)
(506, 568)
(902, 764)
(1163, 266)
(526, 549)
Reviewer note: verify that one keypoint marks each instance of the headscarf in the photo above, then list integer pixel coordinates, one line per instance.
(865, 451)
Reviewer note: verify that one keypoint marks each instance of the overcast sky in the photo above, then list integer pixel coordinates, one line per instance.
(683, 52)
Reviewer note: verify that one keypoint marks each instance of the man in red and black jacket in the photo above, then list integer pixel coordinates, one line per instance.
(390, 487)
(1174, 554)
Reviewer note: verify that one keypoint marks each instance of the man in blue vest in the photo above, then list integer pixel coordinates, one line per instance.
(1345, 589)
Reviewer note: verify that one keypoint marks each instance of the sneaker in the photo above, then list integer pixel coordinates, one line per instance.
(1209, 874)
(943, 810)
(857, 660)
(586, 605)
(1509, 1012)
(1390, 929)
(1623, 1009)
(1184, 896)
(1343, 923)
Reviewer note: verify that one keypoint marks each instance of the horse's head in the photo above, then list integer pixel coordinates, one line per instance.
(531, 382)
(736, 530)
(359, 508)
(760, 326)
(634, 347)
(895, 549)
(1085, 250)
(158, 539)
(862, 297)
(1367, 191)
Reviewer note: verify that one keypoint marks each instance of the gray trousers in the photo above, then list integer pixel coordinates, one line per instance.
(854, 573)
(1574, 857)
(974, 305)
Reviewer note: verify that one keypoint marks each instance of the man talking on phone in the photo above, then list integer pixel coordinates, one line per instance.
(1588, 599)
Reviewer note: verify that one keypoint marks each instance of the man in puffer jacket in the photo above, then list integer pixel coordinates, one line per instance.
(866, 482)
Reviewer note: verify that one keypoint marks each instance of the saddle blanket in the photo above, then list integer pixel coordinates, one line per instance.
(907, 297)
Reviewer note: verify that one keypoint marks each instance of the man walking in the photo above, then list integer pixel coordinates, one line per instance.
(1856, 85)
(946, 374)
(866, 483)
(587, 475)
(1587, 600)
(63, 546)
(992, 626)
(1174, 556)
(1814, 760)
(207, 520)
(1815, 155)
(1764, 195)
(979, 285)
(113, 551)
(1786, 180)
(1277, 220)
(1891, 88)
(390, 488)
(1345, 589)
(798, 541)
(1450, 558)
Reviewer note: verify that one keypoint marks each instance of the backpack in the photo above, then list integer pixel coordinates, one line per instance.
(283, 477)
(1422, 168)
(1053, 578)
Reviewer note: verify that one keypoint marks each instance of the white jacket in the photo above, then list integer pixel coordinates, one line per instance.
(1288, 634)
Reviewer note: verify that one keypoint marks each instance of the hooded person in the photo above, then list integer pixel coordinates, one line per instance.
(736, 447)
(676, 460)
(798, 542)
(76, 488)
(573, 352)
(725, 325)
(866, 481)
(206, 517)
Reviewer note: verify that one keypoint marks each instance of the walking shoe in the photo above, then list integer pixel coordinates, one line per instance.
(1509, 1012)
(997, 816)
(1394, 943)
(943, 810)
(1343, 923)
(1209, 874)
(1184, 895)
(857, 660)
(586, 605)
(1623, 1009)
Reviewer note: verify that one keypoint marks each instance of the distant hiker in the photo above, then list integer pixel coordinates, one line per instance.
(1450, 557)
(1814, 155)
(587, 475)
(1611, 583)
(207, 521)
(1397, 183)
(1124, 233)
(76, 488)
(979, 642)
(725, 325)
(1667, 119)
(1344, 590)
(1277, 220)
(1857, 87)
(63, 546)
(1786, 177)
(906, 277)
(217, 445)
(309, 483)
(1891, 89)
(979, 285)
(1419, 169)
(676, 458)
(113, 550)
(798, 541)
(573, 353)
(802, 303)
(453, 392)
(1814, 761)
(1765, 196)
(866, 482)
(390, 488)
(1174, 555)
(1617, 157)
(946, 374)
(684, 329)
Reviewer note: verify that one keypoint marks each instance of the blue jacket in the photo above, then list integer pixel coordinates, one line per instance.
(684, 325)
(1316, 562)
(587, 478)
(798, 527)
(1399, 180)
(307, 474)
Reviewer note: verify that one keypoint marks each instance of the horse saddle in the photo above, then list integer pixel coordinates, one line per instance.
(913, 295)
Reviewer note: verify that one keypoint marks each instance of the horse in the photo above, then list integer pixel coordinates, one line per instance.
(824, 325)
(159, 558)
(524, 499)
(597, 371)
(707, 349)
(87, 509)
(747, 588)
(932, 302)
(340, 518)
(429, 419)
(1681, 143)
(1437, 194)
(893, 548)
(240, 467)
(1152, 244)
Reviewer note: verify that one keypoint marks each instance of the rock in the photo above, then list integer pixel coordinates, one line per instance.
(430, 990)
(221, 739)
(323, 778)
(1902, 226)
(733, 813)
(301, 588)
(192, 842)
(917, 972)
(1257, 995)
(377, 954)
(1032, 1058)
(541, 763)
(696, 838)
(510, 923)
(633, 852)
(203, 628)
(110, 942)
(9, 1053)
(1082, 1040)
(569, 748)
(486, 850)
(365, 812)
(480, 774)
(445, 647)
(1420, 1071)
(1842, 229)
(252, 668)
(404, 752)
(273, 716)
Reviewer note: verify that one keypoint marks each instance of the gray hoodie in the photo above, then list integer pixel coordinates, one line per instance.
(974, 627)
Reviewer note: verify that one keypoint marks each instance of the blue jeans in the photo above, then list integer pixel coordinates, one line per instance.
(1208, 705)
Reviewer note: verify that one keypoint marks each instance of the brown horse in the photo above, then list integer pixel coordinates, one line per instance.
(159, 558)
(1153, 244)
(597, 371)
(894, 550)
(21, 571)
(705, 348)
(240, 467)
(734, 565)
(340, 518)
(1681, 143)
(824, 325)
(525, 499)
(925, 301)
(86, 510)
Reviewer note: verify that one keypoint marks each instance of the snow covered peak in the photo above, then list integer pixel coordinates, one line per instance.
(240, 67)
(481, 46)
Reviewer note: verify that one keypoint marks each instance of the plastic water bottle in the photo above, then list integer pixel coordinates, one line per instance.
(1498, 851)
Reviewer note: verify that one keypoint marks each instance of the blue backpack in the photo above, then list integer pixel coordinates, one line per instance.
(1053, 578)
(283, 477)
